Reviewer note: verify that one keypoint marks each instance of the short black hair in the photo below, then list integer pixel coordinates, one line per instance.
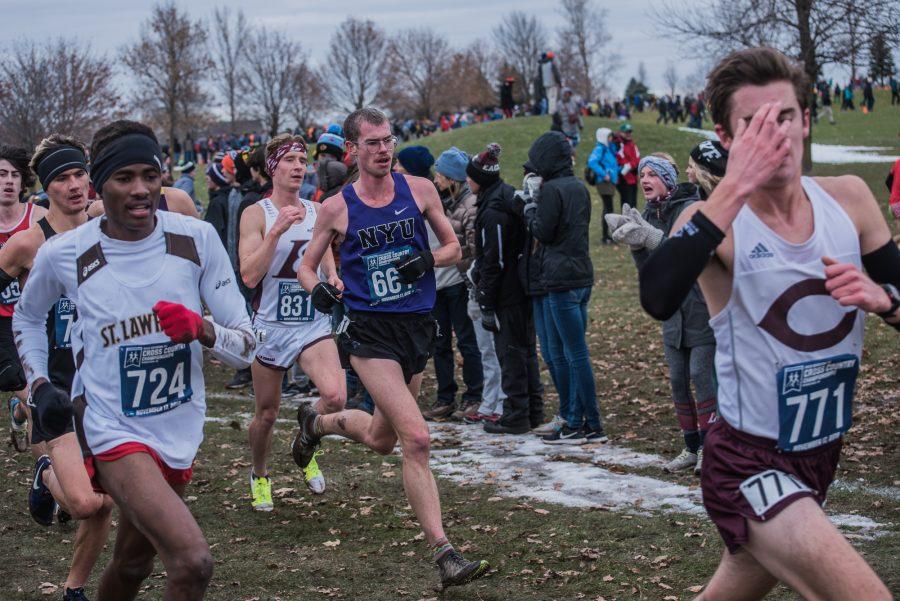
(115, 130)
(19, 157)
(369, 114)
(257, 160)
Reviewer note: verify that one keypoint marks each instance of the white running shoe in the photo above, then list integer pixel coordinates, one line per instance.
(685, 460)
(699, 461)
(550, 427)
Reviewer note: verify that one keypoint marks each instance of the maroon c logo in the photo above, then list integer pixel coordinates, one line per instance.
(775, 322)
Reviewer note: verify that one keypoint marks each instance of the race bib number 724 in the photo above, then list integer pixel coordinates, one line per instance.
(154, 378)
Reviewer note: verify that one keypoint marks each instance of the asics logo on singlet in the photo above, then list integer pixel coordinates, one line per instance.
(761, 252)
(90, 267)
(223, 283)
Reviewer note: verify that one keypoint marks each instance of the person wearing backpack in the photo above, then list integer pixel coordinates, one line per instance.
(603, 169)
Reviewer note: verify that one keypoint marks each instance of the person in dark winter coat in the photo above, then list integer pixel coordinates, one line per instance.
(217, 209)
(688, 341)
(507, 104)
(559, 216)
(505, 309)
(331, 171)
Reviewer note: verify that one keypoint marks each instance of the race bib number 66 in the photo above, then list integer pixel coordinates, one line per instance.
(154, 378)
(815, 401)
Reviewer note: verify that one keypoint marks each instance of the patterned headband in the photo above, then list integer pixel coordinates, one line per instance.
(273, 159)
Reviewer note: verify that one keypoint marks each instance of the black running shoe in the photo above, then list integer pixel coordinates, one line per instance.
(305, 442)
(75, 594)
(455, 570)
(566, 435)
(241, 379)
(40, 501)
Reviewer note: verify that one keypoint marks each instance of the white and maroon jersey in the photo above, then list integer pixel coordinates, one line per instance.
(787, 354)
(10, 296)
(137, 385)
(281, 299)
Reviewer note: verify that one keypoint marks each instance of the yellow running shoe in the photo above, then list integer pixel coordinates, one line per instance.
(261, 490)
(315, 481)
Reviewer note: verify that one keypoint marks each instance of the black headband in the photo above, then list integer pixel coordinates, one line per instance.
(131, 149)
(59, 160)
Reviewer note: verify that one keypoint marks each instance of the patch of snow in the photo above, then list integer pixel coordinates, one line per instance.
(525, 467)
(832, 154)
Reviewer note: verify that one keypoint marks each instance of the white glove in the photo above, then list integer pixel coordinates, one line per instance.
(615, 221)
(636, 232)
(531, 185)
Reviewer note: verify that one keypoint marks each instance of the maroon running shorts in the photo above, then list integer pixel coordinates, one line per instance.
(747, 477)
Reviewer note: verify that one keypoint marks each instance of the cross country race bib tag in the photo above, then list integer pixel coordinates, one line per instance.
(64, 313)
(154, 378)
(293, 303)
(764, 490)
(815, 401)
(383, 278)
(10, 296)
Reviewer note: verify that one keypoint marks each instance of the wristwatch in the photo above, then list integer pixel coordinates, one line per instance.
(894, 297)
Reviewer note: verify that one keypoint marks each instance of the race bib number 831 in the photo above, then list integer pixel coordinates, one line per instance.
(154, 378)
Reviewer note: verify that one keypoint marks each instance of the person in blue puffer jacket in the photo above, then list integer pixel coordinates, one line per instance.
(603, 163)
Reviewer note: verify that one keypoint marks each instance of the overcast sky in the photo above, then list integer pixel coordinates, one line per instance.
(110, 24)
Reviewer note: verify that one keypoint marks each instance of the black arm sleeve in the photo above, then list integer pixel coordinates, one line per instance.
(490, 263)
(671, 270)
(882, 264)
(6, 279)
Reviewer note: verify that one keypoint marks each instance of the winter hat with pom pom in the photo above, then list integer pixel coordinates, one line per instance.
(484, 168)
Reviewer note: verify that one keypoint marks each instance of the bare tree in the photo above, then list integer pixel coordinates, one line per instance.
(57, 86)
(521, 39)
(670, 77)
(418, 64)
(169, 64)
(355, 63)
(227, 54)
(307, 95)
(584, 45)
(815, 32)
(269, 80)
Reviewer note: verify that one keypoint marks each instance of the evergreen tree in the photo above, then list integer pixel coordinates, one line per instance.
(881, 59)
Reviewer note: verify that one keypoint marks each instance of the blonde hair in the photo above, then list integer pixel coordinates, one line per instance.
(705, 179)
(51, 143)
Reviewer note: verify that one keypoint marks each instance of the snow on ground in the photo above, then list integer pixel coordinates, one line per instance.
(573, 476)
(833, 154)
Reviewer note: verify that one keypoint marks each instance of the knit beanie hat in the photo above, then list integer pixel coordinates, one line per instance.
(484, 168)
(216, 174)
(417, 160)
(331, 144)
(712, 156)
(452, 164)
(186, 168)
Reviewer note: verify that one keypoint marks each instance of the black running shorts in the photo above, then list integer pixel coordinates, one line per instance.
(407, 338)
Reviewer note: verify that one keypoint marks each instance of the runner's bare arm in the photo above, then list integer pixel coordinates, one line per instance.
(330, 222)
(30, 317)
(234, 342)
(255, 248)
(881, 260)
(17, 254)
(426, 194)
(180, 202)
(95, 209)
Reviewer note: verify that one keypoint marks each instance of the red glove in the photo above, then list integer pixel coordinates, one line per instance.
(178, 322)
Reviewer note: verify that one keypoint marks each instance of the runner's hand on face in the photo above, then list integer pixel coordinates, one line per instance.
(758, 148)
(850, 287)
(287, 216)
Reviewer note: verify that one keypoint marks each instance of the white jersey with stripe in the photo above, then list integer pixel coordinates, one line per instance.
(137, 385)
(780, 318)
(280, 285)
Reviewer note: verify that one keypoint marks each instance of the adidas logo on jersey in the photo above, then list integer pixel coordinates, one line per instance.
(761, 252)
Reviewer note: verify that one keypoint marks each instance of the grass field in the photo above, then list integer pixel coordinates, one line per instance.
(360, 539)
